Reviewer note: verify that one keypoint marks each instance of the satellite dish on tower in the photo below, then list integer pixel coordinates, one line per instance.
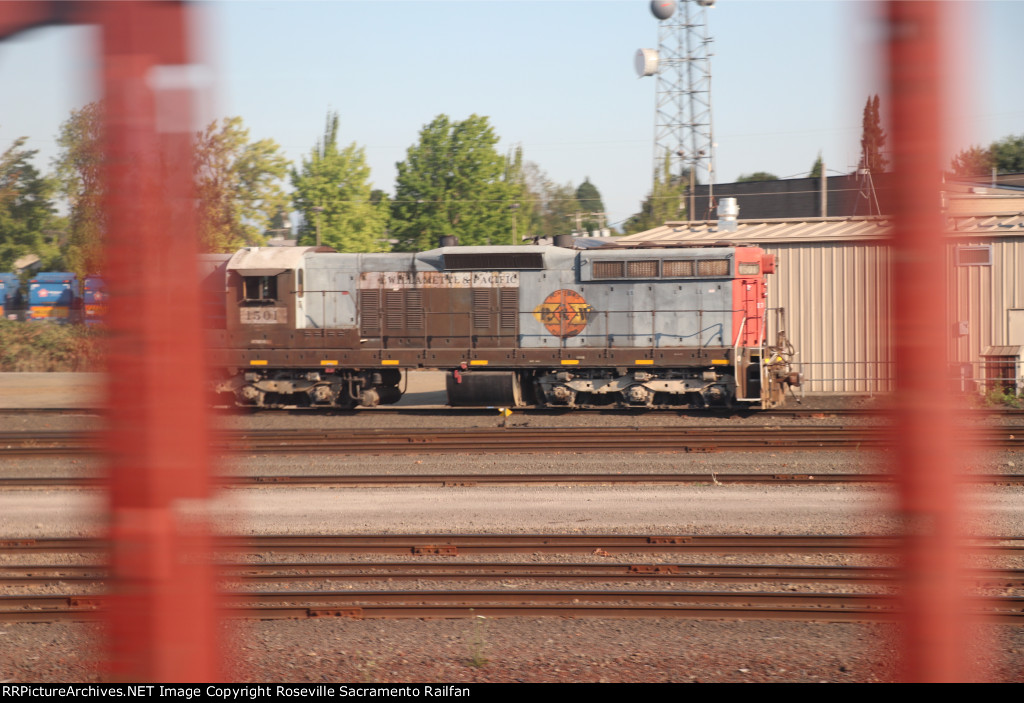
(663, 9)
(646, 62)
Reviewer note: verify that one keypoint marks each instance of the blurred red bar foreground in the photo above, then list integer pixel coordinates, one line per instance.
(162, 623)
(930, 454)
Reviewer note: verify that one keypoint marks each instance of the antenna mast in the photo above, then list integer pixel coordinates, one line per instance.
(682, 66)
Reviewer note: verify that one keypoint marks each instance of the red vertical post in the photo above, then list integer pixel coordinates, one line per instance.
(162, 620)
(162, 624)
(930, 454)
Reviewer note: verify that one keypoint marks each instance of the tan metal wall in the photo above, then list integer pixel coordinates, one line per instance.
(837, 301)
(837, 297)
(981, 295)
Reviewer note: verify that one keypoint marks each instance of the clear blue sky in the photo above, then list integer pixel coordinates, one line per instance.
(790, 79)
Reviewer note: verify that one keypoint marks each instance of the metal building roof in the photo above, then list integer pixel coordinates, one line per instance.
(832, 229)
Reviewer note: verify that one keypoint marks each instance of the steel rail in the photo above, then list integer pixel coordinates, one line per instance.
(477, 480)
(452, 544)
(287, 572)
(808, 409)
(418, 604)
(513, 439)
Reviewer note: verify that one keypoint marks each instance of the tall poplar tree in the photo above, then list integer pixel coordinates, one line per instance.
(872, 140)
(333, 193)
(79, 167)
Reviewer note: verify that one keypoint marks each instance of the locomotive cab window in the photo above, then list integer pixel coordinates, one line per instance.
(749, 269)
(259, 289)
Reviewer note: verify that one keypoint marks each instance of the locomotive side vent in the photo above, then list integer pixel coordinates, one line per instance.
(369, 312)
(508, 303)
(414, 314)
(609, 269)
(713, 267)
(647, 268)
(481, 309)
(493, 262)
(673, 269)
(394, 310)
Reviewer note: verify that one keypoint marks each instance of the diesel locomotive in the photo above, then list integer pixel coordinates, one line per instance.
(513, 326)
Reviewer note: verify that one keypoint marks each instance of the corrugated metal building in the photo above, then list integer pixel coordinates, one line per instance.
(833, 281)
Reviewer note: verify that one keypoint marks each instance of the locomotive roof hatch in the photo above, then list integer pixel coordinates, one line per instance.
(268, 261)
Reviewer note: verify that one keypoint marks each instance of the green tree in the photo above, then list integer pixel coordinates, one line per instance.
(1008, 154)
(872, 140)
(816, 169)
(79, 169)
(552, 206)
(238, 184)
(26, 209)
(454, 182)
(973, 161)
(333, 192)
(757, 176)
(589, 201)
(518, 206)
(664, 203)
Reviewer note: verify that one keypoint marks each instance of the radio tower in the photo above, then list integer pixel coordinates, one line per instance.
(682, 65)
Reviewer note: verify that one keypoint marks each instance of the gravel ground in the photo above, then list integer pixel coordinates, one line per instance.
(517, 649)
(522, 650)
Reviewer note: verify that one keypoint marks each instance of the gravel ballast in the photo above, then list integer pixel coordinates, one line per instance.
(518, 649)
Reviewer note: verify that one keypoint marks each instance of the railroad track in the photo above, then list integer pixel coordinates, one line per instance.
(672, 594)
(455, 544)
(259, 574)
(717, 605)
(512, 440)
(483, 480)
(808, 410)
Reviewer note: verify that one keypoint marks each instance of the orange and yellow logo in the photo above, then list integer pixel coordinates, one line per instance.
(564, 313)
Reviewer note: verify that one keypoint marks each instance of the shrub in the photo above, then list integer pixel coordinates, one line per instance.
(39, 346)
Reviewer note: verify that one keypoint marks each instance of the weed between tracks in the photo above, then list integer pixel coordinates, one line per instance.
(478, 642)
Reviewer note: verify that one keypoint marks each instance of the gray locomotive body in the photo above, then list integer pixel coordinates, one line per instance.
(524, 325)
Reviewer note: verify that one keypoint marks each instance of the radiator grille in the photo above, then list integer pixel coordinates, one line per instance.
(673, 269)
(713, 267)
(609, 269)
(642, 269)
